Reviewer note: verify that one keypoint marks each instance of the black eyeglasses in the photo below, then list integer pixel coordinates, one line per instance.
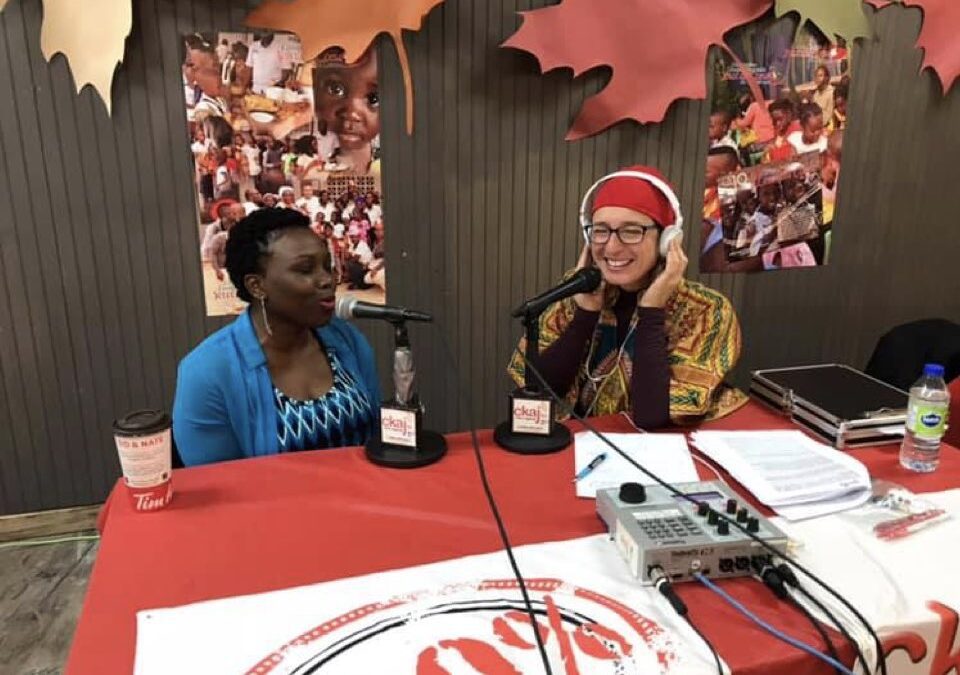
(628, 234)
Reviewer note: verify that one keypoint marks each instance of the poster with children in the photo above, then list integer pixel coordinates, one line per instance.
(776, 135)
(268, 130)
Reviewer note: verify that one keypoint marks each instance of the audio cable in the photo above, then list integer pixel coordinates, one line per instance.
(802, 646)
(662, 583)
(796, 588)
(766, 574)
(491, 501)
(881, 659)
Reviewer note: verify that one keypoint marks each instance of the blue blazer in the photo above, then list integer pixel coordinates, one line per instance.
(224, 406)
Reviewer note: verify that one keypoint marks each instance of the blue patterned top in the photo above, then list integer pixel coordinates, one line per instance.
(343, 416)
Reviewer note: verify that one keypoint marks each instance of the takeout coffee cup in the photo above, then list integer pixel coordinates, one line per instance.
(144, 445)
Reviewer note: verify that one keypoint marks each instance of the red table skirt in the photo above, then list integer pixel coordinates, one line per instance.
(263, 524)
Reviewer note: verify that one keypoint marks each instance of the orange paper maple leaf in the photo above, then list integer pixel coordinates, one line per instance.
(657, 50)
(350, 24)
(938, 36)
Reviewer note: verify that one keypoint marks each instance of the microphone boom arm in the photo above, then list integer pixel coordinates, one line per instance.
(531, 322)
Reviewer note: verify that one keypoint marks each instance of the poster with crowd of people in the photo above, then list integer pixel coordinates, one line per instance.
(269, 130)
(774, 159)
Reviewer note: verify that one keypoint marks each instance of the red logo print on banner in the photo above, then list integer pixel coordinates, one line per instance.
(944, 660)
(593, 640)
(482, 628)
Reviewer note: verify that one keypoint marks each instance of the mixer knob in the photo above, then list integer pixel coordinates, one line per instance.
(633, 493)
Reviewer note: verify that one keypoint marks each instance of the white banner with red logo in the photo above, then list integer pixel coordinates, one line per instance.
(909, 589)
(455, 617)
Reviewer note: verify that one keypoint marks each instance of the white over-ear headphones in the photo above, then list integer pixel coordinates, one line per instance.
(669, 233)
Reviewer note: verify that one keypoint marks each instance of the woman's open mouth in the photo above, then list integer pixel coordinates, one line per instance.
(616, 265)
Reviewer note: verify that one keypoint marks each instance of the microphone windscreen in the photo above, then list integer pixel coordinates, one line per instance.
(345, 305)
(591, 279)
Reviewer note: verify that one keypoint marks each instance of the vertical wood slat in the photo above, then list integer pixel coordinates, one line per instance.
(101, 294)
(66, 306)
(30, 273)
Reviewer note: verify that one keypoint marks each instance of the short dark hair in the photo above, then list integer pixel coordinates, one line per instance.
(808, 110)
(250, 240)
(726, 151)
(841, 91)
(782, 104)
(723, 112)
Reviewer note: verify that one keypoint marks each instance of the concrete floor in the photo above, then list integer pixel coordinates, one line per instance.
(41, 593)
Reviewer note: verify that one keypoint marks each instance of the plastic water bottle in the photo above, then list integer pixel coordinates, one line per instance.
(926, 420)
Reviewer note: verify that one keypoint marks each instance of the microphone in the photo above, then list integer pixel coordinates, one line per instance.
(349, 307)
(585, 280)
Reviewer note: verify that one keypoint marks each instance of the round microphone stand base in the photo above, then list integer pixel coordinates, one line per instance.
(431, 446)
(531, 444)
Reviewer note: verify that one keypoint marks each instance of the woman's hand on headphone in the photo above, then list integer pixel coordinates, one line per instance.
(590, 302)
(664, 286)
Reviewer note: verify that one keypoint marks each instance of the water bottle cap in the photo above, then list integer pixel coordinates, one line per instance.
(933, 370)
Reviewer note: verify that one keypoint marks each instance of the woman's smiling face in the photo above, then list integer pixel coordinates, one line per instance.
(624, 265)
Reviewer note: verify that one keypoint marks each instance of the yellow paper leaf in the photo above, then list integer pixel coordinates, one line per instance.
(91, 35)
(833, 17)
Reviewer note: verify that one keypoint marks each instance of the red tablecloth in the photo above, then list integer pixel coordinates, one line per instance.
(269, 523)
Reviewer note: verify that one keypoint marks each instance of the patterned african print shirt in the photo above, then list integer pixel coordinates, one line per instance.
(703, 340)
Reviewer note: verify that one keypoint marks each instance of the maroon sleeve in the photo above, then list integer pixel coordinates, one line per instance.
(559, 362)
(650, 382)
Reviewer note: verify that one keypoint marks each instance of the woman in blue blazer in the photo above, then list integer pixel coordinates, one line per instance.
(286, 374)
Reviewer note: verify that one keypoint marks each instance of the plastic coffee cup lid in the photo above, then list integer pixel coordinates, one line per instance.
(141, 423)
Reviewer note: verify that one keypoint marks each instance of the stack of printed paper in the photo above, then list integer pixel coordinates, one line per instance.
(788, 471)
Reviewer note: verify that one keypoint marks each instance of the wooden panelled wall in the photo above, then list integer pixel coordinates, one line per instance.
(100, 291)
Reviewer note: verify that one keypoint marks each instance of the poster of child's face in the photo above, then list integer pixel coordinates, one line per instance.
(270, 130)
(348, 102)
(775, 143)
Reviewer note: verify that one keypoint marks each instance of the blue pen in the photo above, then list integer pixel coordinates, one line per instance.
(588, 469)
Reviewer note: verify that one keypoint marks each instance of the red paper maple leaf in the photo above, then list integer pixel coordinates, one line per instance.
(352, 26)
(656, 49)
(938, 36)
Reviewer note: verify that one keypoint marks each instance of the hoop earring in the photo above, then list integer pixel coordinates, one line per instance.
(263, 313)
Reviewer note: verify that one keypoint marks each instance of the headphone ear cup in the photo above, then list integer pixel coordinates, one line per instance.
(669, 234)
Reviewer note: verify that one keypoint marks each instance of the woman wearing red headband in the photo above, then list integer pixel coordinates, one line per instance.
(647, 341)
